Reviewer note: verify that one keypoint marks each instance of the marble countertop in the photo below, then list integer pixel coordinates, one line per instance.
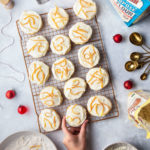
(100, 134)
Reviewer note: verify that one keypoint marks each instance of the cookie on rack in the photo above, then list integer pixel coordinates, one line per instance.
(30, 22)
(97, 78)
(38, 72)
(80, 33)
(37, 46)
(62, 69)
(88, 56)
(49, 120)
(85, 9)
(57, 18)
(74, 88)
(60, 44)
(50, 96)
(99, 106)
(76, 115)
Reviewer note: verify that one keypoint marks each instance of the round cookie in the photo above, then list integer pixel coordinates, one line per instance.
(60, 44)
(75, 115)
(49, 120)
(99, 106)
(74, 88)
(62, 69)
(37, 46)
(58, 18)
(85, 9)
(38, 72)
(30, 22)
(80, 33)
(50, 96)
(88, 56)
(97, 78)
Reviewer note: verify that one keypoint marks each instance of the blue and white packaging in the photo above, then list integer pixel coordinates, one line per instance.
(131, 11)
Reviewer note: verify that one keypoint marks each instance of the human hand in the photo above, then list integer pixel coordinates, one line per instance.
(75, 138)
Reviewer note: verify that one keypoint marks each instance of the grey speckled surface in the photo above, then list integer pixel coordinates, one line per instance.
(100, 134)
(42, 1)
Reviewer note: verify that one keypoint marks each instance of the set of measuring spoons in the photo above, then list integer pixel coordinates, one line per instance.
(139, 60)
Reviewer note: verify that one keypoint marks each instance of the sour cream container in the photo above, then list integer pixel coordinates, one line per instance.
(131, 11)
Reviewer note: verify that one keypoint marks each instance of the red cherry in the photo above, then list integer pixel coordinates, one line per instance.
(117, 38)
(128, 84)
(10, 94)
(22, 109)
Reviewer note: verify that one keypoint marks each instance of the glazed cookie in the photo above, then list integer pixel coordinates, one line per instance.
(37, 46)
(49, 120)
(38, 72)
(62, 69)
(85, 9)
(58, 18)
(76, 115)
(97, 78)
(80, 33)
(74, 88)
(60, 44)
(99, 106)
(30, 22)
(88, 56)
(51, 96)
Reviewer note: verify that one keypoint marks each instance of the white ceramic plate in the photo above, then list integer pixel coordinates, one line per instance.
(120, 146)
(14, 137)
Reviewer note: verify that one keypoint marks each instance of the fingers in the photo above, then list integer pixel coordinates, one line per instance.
(74, 131)
(83, 129)
(64, 128)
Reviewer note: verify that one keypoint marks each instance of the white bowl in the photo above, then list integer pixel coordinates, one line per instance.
(17, 135)
(118, 146)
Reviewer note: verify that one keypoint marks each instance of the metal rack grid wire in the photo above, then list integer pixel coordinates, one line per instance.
(96, 39)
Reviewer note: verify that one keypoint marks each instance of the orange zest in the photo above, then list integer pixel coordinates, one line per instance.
(54, 119)
(74, 118)
(36, 72)
(88, 56)
(95, 103)
(84, 4)
(30, 20)
(38, 45)
(62, 68)
(35, 147)
(74, 112)
(49, 115)
(58, 18)
(62, 63)
(80, 33)
(75, 85)
(49, 103)
(50, 96)
(46, 120)
(97, 77)
(59, 46)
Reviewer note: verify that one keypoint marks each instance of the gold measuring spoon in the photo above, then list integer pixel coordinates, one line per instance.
(135, 56)
(142, 63)
(137, 39)
(144, 75)
(131, 65)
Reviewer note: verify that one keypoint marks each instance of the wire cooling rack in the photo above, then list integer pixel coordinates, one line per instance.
(80, 71)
